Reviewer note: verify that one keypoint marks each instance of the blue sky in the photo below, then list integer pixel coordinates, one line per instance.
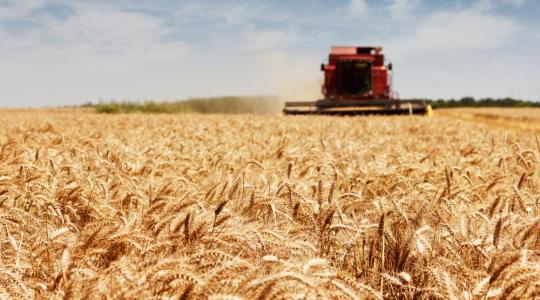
(58, 52)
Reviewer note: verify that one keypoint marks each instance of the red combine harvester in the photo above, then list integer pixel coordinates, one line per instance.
(357, 81)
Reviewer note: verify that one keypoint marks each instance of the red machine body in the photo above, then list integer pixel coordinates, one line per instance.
(356, 73)
(357, 81)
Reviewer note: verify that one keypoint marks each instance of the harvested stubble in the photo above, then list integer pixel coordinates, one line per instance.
(266, 207)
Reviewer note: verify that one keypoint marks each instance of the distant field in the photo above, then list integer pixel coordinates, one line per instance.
(193, 206)
(510, 118)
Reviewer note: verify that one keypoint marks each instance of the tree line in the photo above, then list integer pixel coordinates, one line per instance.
(483, 102)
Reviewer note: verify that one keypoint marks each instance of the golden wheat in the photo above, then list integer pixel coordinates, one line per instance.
(266, 207)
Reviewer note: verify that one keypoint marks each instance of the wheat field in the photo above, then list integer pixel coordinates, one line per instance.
(524, 119)
(266, 207)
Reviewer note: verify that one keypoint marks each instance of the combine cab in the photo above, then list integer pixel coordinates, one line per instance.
(357, 81)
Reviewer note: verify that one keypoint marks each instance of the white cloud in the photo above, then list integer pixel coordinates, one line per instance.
(458, 31)
(357, 8)
(400, 8)
(227, 13)
(486, 5)
(104, 30)
(471, 51)
(96, 52)
(91, 28)
(15, 9)
(265, 40)
(101, 52)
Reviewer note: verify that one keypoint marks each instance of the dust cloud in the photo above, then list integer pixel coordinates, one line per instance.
(293, 77)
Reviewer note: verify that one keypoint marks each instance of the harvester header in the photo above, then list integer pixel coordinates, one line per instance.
(357, 80)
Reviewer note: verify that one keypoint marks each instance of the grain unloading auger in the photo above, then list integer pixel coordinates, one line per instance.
(357, 81)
